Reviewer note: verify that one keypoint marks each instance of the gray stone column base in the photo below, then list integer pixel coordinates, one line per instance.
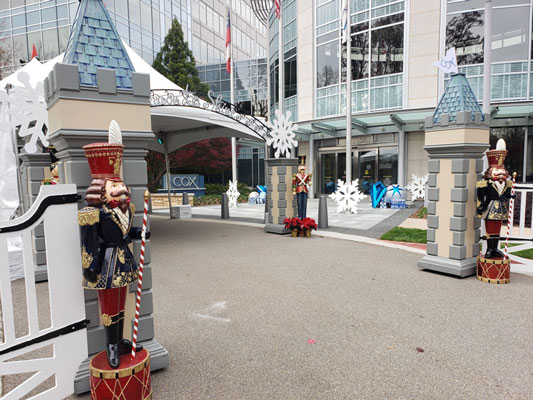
(460, 268)
(276, 228)
(158, 360)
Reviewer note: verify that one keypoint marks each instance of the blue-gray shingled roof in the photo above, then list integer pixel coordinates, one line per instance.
(458, 97)
(94, 43)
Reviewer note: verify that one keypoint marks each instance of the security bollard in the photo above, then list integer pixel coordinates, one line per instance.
(323, 212)
(185, 199)
(224, 206)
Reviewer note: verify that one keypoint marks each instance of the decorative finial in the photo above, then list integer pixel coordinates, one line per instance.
(501, 145)
(115, 134)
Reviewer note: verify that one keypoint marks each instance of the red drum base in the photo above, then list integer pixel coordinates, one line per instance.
(494, 270)
(130, 381)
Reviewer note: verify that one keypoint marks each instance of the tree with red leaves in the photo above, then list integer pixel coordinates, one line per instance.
(209, 156)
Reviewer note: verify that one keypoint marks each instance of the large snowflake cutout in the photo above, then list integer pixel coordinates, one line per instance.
(417, 187)
(347, 196)
(26, 108)
(233, 194)
(282, 136)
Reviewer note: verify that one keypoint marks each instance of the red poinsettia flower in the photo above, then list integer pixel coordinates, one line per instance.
(292, 223)
(309, 223)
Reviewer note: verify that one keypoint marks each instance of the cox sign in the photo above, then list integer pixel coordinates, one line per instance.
(184, 181)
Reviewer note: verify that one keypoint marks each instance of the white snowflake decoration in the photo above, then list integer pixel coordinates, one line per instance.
(347, 196)
(233, 194)
(417, 187)
(25, 106)
(282, 136)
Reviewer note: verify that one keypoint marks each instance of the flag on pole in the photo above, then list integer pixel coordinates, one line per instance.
(449, 63)
(344, 20)
(278, 8)
(33, 52)
(228, 44)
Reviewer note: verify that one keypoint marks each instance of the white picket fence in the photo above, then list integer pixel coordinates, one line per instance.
(56, 208)
(522, 232)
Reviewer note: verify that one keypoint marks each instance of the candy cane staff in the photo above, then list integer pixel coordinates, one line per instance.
(140, 282)
(510, 220)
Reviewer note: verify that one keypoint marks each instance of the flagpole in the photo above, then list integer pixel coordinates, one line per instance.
(348, 38)
(281, 74)
(487, 56)
(232, 100)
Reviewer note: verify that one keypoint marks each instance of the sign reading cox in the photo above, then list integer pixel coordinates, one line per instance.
(190, 183)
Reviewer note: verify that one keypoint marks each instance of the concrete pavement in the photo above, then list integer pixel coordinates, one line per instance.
(250, 315)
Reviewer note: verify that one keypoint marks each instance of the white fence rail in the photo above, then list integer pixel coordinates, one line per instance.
(56, 208)
(523, 232)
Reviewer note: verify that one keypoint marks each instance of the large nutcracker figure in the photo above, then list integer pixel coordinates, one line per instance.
(106, 231)
(493, 194)
(300, 187)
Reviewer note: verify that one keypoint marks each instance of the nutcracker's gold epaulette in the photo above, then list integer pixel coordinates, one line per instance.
(509, 183)
(88, 216)
(132, 206)
(481, 184)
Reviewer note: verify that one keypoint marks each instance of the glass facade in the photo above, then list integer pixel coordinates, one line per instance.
(289, 32)
(143, 24)
(250, 84)
(511, 73)
(377, 48)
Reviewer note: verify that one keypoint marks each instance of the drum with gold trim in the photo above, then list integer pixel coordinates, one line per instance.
(131, 381)
(494, 270)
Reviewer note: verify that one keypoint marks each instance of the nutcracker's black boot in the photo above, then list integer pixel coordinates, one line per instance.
(124, 345)
(113, 338)
(492, 249)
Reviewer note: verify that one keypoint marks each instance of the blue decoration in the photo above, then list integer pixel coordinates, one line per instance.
(94, 41)
(377, 191)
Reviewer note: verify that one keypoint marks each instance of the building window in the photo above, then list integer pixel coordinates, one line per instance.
(327, 64)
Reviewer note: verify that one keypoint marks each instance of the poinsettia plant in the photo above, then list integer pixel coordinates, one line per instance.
(292, 223)
(308, 223)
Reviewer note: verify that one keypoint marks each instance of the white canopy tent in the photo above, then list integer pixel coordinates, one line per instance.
(177, 125)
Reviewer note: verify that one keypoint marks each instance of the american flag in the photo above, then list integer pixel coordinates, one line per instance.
(278, 8)
(228, 44)
(344, 21)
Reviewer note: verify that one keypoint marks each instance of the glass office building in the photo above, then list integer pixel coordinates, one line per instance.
(143, 24)
(393, 84)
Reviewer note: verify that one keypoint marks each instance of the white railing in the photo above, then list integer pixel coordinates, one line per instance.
(56, 208)
(522, 232)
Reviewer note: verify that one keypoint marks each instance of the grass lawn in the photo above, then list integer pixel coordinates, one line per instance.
(406, 235)
(522, 253)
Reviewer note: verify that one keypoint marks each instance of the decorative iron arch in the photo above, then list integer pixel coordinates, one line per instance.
(261, 9)
(184, 98)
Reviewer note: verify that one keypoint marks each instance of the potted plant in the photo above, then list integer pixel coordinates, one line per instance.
(307, 225)
(293, 224)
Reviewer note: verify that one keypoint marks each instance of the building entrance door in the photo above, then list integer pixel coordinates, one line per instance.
(367, 170)
(332, 168)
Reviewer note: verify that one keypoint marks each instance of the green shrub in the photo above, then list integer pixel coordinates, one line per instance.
(215, 188)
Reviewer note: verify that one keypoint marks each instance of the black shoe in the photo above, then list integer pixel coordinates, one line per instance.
(124, 347)
(113, 337)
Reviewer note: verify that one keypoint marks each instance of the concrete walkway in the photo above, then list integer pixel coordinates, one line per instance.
(368, 222)
(250, 315)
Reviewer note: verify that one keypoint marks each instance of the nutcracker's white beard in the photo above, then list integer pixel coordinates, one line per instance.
(500, 186)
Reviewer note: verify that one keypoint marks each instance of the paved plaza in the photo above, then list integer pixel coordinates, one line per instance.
(250, 315)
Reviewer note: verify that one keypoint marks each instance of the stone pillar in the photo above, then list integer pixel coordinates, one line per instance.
(455, 161)
(32, 176)
(79, 116)
(281, 201)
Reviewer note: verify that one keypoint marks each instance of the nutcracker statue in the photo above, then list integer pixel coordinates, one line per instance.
(109, 267)
(493, 194)
(300, 187)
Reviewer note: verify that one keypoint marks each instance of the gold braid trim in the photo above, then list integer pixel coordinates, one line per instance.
(86, 258)
(88, 216)
(481, 184)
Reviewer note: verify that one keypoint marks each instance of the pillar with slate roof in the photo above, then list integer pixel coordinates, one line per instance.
(96, 83)
(456, 137)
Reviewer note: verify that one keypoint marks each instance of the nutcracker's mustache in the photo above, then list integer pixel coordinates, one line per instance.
(123, 193)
